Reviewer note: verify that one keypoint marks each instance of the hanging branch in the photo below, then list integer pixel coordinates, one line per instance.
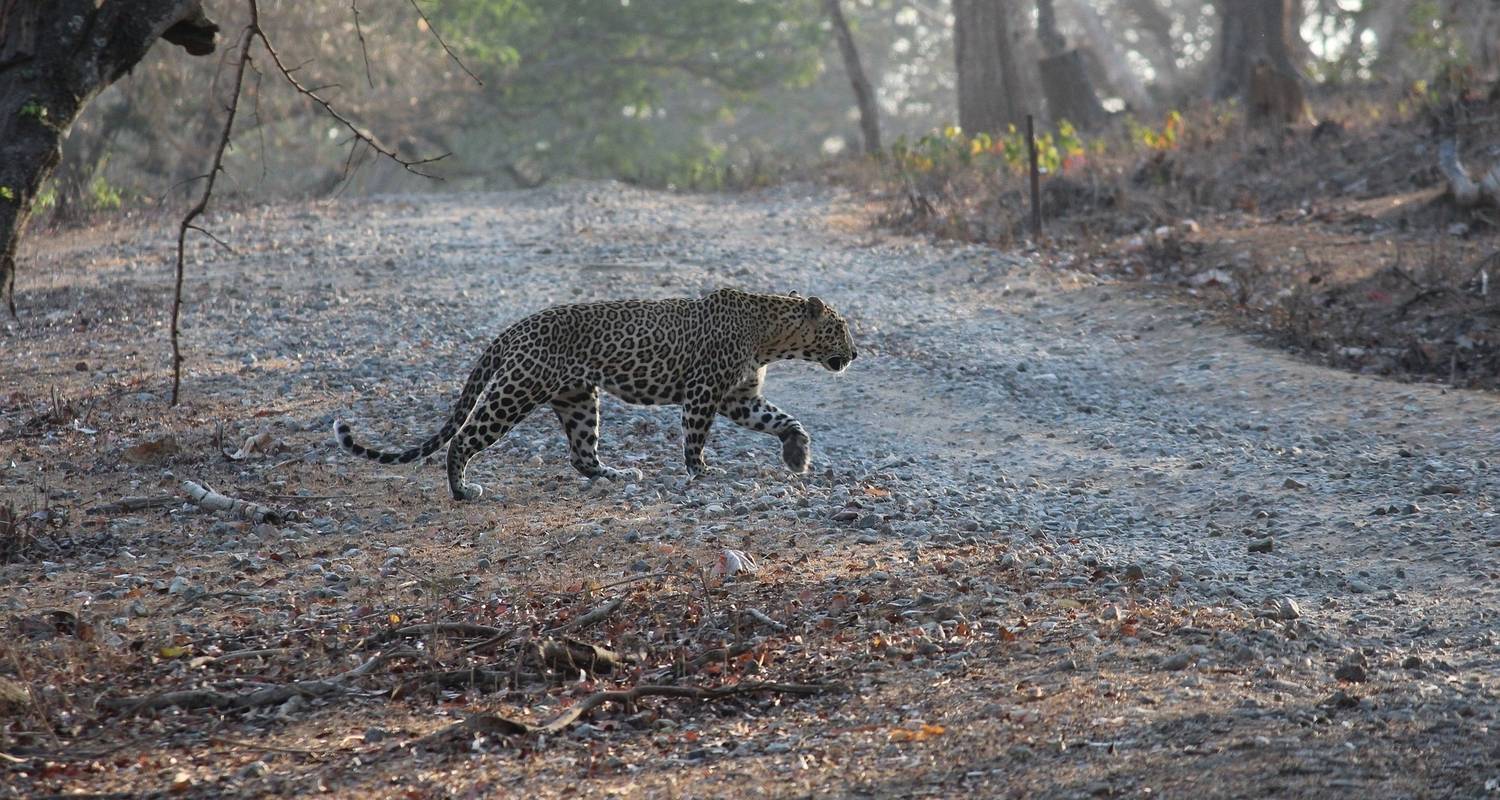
(440, 41)
(208, 189)
(360, 32)
(254, 32)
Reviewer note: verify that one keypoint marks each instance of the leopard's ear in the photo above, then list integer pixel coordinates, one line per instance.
(793, 293)
(813, 307)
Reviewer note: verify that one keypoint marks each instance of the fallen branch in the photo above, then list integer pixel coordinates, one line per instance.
(760, 616)
(460, 629)
(596, 614)
(572, 656)
(716, 655)
(496, 724)
(273, 695)
(269, 748)
(471, 677)
(125, 504)
(210, 500)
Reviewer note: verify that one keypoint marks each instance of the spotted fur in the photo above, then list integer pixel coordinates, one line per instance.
(707, 355)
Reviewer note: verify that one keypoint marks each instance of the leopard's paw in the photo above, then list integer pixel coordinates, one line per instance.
(796, 452)
(620, 475)
(468, 491)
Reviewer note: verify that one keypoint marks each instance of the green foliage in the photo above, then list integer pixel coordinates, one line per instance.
(1434, 42)
(31, 109)
(625, 88)
(1163, 138)
(945, 151)
(103, 196)
(7, 194)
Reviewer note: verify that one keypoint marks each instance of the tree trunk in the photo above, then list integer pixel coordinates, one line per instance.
(989, 93)
(1065, 81)
(1255, 60)
(1117, 67)
(56, 56)
(864, 96)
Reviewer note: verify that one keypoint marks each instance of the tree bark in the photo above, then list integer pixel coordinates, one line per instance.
(864, 96)
(989, 80)
(1255, 60)
(1065, 81)
(56, 56)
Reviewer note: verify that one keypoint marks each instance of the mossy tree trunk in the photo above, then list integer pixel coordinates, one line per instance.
(55, 57)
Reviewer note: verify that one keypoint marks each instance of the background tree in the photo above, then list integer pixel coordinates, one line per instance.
(990, 93)
(1065, 81)
(1255, 59)
(54, 58)
(864, 96)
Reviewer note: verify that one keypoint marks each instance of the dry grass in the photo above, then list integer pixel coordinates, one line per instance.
(1335, 239)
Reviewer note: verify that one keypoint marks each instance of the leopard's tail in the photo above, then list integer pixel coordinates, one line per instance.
(473, 388)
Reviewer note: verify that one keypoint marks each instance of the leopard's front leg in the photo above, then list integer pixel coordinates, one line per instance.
(756, 413)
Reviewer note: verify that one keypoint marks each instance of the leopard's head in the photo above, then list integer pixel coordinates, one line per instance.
(827, 336)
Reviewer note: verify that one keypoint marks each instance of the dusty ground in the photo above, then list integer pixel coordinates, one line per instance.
(1062, 538)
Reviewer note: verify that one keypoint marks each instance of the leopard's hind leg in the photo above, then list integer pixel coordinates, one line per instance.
(578, 411)
(512, 395)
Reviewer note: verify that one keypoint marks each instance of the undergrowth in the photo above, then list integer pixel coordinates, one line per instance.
(1308, 233)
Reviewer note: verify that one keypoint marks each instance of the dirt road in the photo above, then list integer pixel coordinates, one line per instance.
(1062, 538)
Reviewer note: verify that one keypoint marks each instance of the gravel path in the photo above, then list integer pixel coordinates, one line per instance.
(1117, 443)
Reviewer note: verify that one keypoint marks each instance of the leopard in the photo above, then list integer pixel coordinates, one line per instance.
(707, 354)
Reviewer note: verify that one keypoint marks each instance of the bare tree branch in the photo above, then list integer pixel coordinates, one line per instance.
(358, 31)
(208, 187)
(410, 165)
(253, 32)
(440, 41)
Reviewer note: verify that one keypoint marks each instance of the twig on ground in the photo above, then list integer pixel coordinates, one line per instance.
(573, 656)
(209, 698)
(760, 616)
(596, 614)
(709, 657)
(296, 751)
(445, 628)
(493, 723)
(237, 655)
(133, 503)
(481, 677)
(211, 500)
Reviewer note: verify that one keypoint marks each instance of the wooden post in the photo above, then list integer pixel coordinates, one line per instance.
(1036, 181)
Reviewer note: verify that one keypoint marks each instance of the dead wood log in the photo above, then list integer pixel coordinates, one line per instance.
(1467, 193)
(211, 500)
